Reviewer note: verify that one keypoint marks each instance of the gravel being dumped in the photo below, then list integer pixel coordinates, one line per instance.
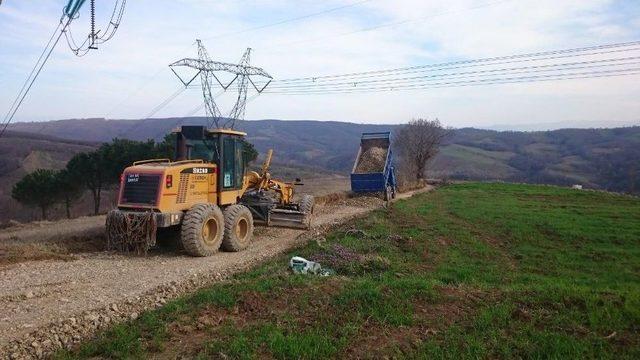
(372, 160)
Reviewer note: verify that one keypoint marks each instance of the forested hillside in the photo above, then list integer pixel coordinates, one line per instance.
(595, 158)
(315, 144)
(23, 153)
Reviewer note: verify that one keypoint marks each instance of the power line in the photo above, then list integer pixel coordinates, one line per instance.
(448, 66)
(286, 21)
(202, 105)
(114, 23)
(492, 81)
(390, 80)
(156, 109)
(443, 83)
(195, 110)
(166, 102)
(386, 25)
(33, 75)
(473, 61)
(466, 74)
(134, 92)
(209, 70)
(491, 70)
(160, 70)
(93, 38)
(26, 81)
(69, 13)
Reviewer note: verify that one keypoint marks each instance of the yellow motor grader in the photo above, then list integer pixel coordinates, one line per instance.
(206, 195)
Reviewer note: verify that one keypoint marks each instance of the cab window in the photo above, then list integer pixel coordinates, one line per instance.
(239, 163)
(199, 150)
(229, 167)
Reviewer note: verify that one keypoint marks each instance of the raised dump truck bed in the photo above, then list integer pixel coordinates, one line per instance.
(373, 170)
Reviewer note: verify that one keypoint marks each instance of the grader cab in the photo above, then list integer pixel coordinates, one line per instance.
(206, 195)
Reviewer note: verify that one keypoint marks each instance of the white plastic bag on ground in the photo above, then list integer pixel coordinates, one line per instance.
(300, 265)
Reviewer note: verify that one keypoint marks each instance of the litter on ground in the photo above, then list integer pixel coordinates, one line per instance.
(300, 265)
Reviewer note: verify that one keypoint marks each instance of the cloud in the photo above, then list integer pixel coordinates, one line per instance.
(128, 76)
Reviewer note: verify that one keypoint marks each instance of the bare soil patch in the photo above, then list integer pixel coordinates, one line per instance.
(51, 240)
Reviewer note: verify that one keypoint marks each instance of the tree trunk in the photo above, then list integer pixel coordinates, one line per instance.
(96, 201)
(420, 170)
(67, 204)
(44, 212)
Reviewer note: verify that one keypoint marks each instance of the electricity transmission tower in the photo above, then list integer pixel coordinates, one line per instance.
(209, 72)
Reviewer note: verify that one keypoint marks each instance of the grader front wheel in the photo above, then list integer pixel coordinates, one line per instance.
(238, 228)
(307, 204)
(202, 230)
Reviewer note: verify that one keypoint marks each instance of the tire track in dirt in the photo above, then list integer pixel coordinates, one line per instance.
(45, 305)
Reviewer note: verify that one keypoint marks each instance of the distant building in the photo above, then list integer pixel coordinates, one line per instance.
(577, 187)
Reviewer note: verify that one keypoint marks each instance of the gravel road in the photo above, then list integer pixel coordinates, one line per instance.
(51, 231)
(48, 304)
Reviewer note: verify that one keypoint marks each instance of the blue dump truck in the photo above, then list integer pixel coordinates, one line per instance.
(373, 170)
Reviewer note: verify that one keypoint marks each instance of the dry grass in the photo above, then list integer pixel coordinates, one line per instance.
(406, 186)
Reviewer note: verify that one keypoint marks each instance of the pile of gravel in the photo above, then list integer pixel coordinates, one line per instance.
(372, 160)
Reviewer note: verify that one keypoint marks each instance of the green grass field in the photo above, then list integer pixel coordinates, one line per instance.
(467, 271)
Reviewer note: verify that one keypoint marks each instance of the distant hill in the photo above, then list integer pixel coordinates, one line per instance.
(596, 158)
(23, 153)
(328, 145)
(562, 125)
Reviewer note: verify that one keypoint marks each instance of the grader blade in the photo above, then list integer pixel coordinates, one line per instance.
(130, 231)
(289, 218)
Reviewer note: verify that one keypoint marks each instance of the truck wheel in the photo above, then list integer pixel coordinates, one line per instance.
(387, 194)
(307, 204)
(238, 228)
(202, 230)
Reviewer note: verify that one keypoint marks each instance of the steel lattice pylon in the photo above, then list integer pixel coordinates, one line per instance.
(207, 70)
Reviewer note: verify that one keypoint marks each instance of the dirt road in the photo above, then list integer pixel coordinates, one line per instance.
(48, 304)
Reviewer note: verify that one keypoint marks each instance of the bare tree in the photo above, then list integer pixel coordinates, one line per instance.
(416, 143)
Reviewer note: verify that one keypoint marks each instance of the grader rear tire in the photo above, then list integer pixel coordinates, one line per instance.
(202, 230)
(238, 228)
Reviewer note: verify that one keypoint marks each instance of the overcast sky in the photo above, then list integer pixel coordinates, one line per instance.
(128, 76)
